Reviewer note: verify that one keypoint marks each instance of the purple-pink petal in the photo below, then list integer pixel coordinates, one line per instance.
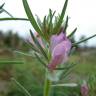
(60, 51)
(56, 39)
(84, 89)
(55, 61)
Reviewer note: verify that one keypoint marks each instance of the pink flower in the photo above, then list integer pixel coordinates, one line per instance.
(84, 89)
(60, 47)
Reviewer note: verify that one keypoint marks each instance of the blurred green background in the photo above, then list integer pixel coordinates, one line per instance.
(31, 73)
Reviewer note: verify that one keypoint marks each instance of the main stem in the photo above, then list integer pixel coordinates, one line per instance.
(47, 87)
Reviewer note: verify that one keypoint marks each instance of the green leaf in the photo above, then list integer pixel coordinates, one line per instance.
(40, 60)
(32, 46)
(66, 67)
(38, 45)
(72, 33)
(45, 28)
(22, 87)
(11, 62)
(2, 5)
(7, 13)
(65, 73)
(22, 53)
(74, 44)
(65, 85)
(66, 24)
(1, 8)
(1, 11)
(58, 25)
(50, 22)
(68, 70)
(5, 19)
(39, 22)
(31, 17)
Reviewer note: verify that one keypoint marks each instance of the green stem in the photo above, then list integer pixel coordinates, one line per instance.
(47, 87)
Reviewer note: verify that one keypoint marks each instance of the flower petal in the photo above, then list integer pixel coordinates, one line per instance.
(60, 54)
(84, 89)
(56, 39)
(55, 61)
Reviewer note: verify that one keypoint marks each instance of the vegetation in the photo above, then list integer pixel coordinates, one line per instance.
(30, 75)
(28, 78)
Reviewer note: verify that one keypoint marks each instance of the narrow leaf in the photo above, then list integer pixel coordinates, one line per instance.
(45, 28)
(22, 53)
(66, 24)
(58, 25)
(31, 17)
(11, 62)
(38, 45)
(1, 11)
(21, 86)
(72, 33)
(66, 67)
(1, 8)
(22, 19)
(50, 22)
(74, 44)
(2, 5)
(40, 60)
(67, 71)
(7, 13)
(65, 85)
(39, 22)
(32, 46)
